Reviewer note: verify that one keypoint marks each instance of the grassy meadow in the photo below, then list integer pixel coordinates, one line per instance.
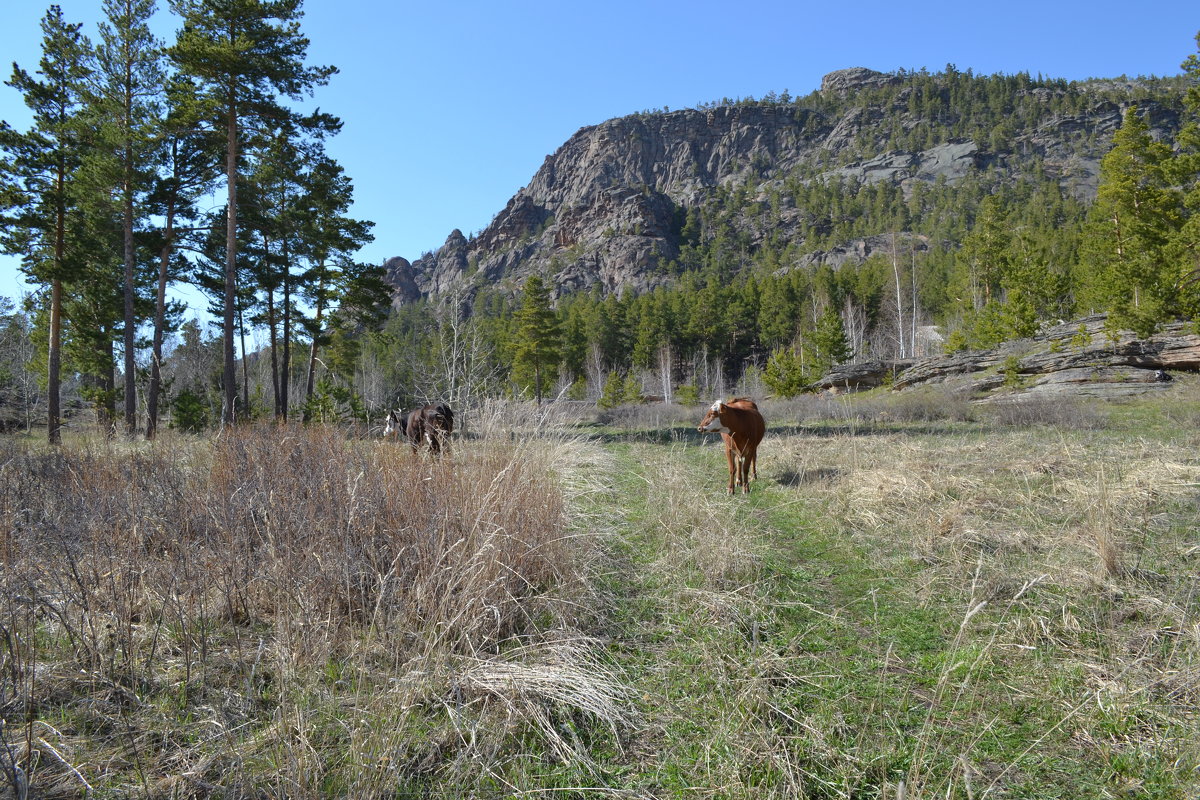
(919, 599)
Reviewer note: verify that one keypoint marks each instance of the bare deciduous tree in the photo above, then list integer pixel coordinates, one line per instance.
(460, 368)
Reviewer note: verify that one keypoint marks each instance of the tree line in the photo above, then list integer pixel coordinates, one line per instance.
(102, 199)
(104, 187)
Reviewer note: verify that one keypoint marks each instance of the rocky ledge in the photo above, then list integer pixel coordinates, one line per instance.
(1073, 358)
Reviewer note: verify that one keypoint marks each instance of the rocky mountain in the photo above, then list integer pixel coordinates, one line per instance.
(608, 209)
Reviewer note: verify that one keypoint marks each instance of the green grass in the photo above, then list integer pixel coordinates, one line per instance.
(857, 651)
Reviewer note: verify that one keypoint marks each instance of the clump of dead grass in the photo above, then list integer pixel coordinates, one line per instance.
(223, 608)
(1057, 412)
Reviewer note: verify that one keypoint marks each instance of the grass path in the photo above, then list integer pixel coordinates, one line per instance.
(778, 646)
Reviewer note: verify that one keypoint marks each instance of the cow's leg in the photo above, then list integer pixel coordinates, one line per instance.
(731, 458)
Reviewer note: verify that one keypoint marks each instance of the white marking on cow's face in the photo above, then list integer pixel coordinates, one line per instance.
(712, 420)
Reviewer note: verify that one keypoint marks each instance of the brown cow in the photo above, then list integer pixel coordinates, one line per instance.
(742, 428)
(429, 425)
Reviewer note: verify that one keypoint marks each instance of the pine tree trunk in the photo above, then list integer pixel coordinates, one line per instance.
(160, 313)
(273, 332)
(245, 366)
(285, 368)
(54, 365)
(310, 381)
(54, 356)
(108, 384)
(130, 372)
(229, 371)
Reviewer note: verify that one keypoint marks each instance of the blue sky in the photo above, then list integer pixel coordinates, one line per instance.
(450, 107)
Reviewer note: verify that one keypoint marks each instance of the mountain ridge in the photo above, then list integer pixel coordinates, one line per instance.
(608, 210)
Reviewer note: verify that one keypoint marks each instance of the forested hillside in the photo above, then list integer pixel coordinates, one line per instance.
(788, 234)
(747, 243)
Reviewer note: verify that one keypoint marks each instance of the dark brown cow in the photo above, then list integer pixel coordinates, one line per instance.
(742, 428)
(430, 425)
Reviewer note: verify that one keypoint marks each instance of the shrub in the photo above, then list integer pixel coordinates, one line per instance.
(687, 395)
(277, 573)
(613, 392)
(189, 412)
(1012, 373)
(786, 373)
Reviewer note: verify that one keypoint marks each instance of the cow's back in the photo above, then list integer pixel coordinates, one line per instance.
(746, 420)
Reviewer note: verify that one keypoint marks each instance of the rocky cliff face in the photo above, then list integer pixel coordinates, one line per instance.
(606, 209)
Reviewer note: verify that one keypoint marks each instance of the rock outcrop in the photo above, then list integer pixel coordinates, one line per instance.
(1073, 358)
(843, 81)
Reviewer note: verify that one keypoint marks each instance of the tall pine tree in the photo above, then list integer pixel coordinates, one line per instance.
(1137, 211)
(1185, 247)
(41, 220)
(130, 71)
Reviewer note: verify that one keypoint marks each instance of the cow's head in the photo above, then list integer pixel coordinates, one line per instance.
(712, 420)
(394, 424)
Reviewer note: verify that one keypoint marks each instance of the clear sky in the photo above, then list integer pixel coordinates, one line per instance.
(451, 106)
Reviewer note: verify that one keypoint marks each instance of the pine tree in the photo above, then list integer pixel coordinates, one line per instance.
(188, 163)
(1185, 169)
(536, 357)
(829, 341)
(243, 54)
(985, 252)
(330, 237)
(41, 170)
(1136, 213)
(129, 67)
(786, 373)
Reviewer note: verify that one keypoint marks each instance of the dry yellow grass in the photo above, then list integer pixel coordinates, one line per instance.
(292, 611)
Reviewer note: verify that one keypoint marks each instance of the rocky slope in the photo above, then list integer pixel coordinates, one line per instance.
(606, 209)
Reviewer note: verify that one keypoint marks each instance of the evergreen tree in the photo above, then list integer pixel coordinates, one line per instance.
(537, 346)
(1185, 246)
(129, 67)
(187, 167)
(1136, 214)
(329, 237)
(242, 54)
(829, 341)
(985, 252)
(41, 169)
(786, 373)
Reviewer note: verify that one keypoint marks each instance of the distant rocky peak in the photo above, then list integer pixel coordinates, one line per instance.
(843, 81)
